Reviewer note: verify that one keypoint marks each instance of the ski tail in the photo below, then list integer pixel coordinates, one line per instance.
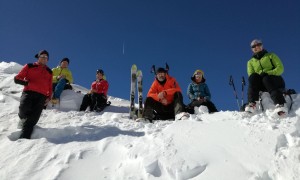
(132, 114)
(140, 93)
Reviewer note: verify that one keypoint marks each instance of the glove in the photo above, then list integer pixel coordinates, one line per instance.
(263, 74)
(161, 95)
(164, 101)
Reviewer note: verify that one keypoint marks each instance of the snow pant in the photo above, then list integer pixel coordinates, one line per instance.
(30, 109)
(59, 87)
(94, 101)
(155, 110)
(195, 103)
(275, 85)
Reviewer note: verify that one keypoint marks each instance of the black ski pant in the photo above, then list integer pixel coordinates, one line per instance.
(154, 110)
(30, 109)
(94, 101)
(275, 85)
(195, 103)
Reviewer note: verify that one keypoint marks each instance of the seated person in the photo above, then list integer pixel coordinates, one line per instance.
(96, 99)
(265, 74)
(199, 94)
(62, 78)
(164, 99)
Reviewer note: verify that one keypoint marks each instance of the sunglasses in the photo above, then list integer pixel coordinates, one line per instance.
(43, 57)
(254, 46)
(198, 75)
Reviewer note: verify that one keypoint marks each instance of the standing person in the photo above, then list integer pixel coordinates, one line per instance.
(97, 98)
(62, 79)
(199, 94)
(264, 71)
(37, 81)
(164, 99)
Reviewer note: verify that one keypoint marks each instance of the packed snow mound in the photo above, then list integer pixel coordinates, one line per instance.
(68, 144)
(10, 68)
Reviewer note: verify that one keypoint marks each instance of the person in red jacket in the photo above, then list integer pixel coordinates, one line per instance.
(97, 98)
(37, 81)
(164, 99)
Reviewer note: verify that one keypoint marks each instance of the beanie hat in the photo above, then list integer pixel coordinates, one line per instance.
(255, 41)
(161, 70)
(198, 71)
(100, 71)
(65, 59)
(40, 53)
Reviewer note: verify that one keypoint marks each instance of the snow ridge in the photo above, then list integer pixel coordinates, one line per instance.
(68, 144)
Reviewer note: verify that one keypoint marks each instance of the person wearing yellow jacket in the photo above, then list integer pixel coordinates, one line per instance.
(164, 99)
(62, 78)
(264, 71)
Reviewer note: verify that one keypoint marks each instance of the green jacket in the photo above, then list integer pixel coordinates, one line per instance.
(264, 65)
(62, 71)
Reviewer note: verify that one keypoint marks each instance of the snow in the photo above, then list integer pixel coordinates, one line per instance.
(68, 144)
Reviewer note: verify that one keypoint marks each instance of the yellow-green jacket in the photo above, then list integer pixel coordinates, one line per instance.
(62, 71)
(264, 65)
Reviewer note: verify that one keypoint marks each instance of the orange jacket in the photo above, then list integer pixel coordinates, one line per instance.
(170, 88)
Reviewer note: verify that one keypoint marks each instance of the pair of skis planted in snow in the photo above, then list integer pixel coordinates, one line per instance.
(136, 82)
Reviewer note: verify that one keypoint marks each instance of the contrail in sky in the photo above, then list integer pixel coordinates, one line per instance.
(123, 48)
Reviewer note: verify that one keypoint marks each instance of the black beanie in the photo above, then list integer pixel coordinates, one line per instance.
(161, 70)
(100, 71)
(40, 53)
(65, 59)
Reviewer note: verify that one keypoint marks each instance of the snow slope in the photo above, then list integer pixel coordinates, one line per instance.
(68, 144)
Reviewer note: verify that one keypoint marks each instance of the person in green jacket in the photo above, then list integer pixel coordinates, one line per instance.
(62, 79)
(264, 71)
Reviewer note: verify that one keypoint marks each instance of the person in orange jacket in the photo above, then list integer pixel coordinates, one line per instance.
(164, 99)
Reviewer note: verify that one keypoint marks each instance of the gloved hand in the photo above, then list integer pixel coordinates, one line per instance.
(263, 74)
(161, 95)
(164, 101)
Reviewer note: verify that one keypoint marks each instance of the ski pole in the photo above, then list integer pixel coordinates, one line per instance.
(243, 85)
(231, 83)
(153, 69)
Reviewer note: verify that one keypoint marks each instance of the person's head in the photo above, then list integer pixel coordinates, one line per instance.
(42, 57)
(64, 62)
(198, 76)
(256, 46)
(161, 74)
(100, 74)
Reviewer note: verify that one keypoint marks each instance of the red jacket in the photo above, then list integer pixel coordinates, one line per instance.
(170, 87)
(35, 77)
(100, 87)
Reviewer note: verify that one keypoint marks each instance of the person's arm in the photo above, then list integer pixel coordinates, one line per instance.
(207, 93)
(278, 70)
(190, 92)
(250, 69)
(153, 91)
(20, 78)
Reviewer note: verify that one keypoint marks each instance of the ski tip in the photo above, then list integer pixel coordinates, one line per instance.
(133, 66)
(139, 73)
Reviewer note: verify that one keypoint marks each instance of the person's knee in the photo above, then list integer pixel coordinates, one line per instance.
(149, 100)
(254, 77)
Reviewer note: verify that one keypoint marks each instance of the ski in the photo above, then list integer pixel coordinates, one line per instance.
(132, 114)
(140, 93)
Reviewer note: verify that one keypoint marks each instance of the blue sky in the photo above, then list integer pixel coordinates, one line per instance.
(187, 34)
